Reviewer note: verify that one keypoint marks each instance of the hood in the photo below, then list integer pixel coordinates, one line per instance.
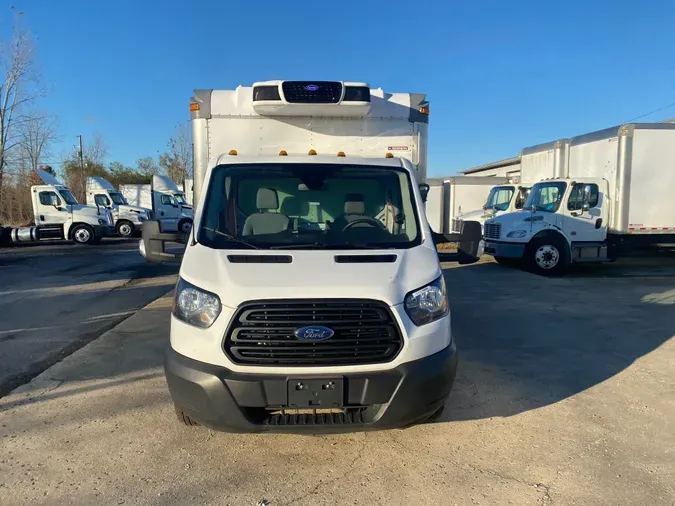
(130, 208)
(84, 210)
(311, 274)
(479, 215)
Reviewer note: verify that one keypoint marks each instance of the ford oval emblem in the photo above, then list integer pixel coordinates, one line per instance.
(314, 333)
(312, 87)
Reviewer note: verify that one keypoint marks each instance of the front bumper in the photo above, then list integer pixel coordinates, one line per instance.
(504, 249)
(104, 231)
(221, 399)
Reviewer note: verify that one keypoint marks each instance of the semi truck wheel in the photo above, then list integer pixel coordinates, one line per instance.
(547, 256)
(83, 234)
(125, 228)
(184, 226)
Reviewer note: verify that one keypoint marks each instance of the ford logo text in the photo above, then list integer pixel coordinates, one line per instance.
(314, 333)
(312, 87)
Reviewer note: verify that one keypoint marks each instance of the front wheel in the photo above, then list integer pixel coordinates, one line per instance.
(184, 226)
(125, 228)
(547, 256)
(83, 234)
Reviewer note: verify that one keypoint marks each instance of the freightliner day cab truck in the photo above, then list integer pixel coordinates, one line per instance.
(128, 219)
(58, 215)
(166, 200)
(614, 195)
(310, 296)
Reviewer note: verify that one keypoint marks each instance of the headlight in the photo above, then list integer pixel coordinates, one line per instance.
(195, 306)
(515, 234)
(427, 304)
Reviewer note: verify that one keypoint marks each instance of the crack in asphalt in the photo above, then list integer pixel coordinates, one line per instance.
(350, 469)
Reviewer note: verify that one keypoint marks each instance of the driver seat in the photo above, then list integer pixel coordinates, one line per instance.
(355, 209)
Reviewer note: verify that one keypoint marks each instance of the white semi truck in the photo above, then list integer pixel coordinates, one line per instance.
(613, 196)
(167, 201)
(58, 215)
(310, 294)
(128, 219)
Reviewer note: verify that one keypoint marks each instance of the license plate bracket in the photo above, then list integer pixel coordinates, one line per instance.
(315, 393)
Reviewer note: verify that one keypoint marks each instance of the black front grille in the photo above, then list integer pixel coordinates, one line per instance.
(263, 333)
(312, 92)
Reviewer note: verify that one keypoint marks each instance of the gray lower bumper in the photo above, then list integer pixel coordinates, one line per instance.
(505, 249)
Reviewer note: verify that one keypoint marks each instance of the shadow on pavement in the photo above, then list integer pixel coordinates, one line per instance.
(527, 341)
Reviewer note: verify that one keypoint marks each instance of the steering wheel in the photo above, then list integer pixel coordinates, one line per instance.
(366, 220)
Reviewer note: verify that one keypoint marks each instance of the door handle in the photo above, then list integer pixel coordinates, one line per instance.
(598, 223)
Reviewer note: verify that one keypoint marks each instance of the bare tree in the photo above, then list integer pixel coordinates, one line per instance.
(95, 151)
(19, 88)
(147, 166)
(177, 162)
(35, 135)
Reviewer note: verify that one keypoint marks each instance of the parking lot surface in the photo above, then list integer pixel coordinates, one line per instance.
(564, 396)
(54, 298)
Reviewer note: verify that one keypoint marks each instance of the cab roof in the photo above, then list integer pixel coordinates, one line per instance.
(313, 159)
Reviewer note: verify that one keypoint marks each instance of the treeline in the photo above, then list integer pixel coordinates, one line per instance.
(28, 134)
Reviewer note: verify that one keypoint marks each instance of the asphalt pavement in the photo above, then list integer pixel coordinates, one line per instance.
(564, 396)
(55, 298)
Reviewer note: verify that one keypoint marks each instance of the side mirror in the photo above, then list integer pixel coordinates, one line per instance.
(153, 243)
(424, 190)
(468, 243)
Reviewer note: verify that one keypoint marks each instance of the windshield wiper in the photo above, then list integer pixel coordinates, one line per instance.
(232, 238)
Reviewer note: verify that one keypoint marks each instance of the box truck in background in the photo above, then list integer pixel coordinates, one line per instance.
(614, 197)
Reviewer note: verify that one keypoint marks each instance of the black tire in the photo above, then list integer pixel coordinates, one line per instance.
(184, 419)
(184, 226)
(125, 228)
(508, 262)
(82, 234)
(433, 417)
(547, 256)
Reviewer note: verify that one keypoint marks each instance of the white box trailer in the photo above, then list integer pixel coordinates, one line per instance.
(614, 198)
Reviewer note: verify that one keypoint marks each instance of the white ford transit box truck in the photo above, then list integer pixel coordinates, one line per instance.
(613, 197)
(128, 219)
(310, 296)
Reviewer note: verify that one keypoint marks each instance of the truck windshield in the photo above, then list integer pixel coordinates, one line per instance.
(287, 206)
(546, 196)
(68, 197)
(118, 198)
(180, 198)
(499, 198)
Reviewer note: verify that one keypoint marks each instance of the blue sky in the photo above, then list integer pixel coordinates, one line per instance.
(499, 75)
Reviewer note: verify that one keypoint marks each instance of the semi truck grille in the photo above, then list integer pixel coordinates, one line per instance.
(492, 230)
(312, 92)
(263, 333)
